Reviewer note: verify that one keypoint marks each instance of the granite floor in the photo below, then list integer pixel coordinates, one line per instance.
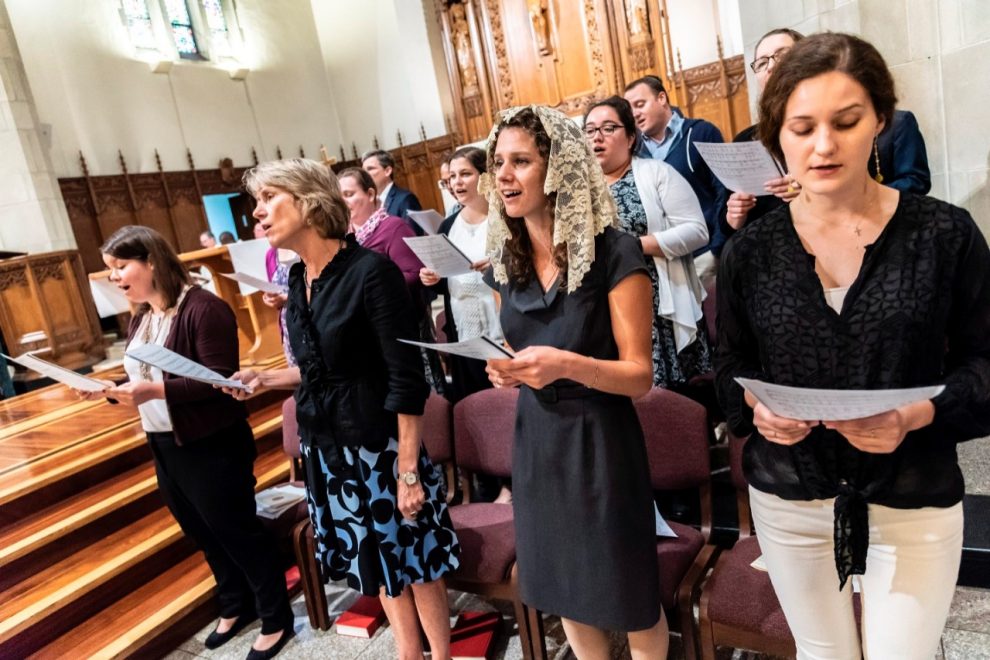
(966, 637)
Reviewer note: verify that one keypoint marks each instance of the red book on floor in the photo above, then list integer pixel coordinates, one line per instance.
(473, 638)
(362, 619)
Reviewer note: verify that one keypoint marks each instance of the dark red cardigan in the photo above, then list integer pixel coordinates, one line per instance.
(204, 330)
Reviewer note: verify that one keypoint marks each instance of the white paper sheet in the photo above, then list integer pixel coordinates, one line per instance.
(251, 280)
(440, 255)
(109, 299)
(248, 257)
(663, 529)
(429, 220)
(833, 405)
(58, 373)
(479, 348)
(173, 363)
(740, 166)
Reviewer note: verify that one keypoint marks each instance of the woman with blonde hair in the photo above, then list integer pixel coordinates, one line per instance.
(377, 503)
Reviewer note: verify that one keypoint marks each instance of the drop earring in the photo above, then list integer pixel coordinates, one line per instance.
(876, 160)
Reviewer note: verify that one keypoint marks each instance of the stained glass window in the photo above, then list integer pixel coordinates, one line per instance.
(138, 22)
(217, 24)
(182, 29)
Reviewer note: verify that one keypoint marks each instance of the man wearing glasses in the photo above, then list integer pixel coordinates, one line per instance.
(669, 136)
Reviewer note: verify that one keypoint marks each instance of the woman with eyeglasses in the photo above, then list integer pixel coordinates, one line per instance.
(657, 205)
(743, 206)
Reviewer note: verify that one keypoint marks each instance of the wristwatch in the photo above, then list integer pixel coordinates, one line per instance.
(409, 478)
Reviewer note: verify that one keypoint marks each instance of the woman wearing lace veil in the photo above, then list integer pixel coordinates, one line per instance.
(574, 304)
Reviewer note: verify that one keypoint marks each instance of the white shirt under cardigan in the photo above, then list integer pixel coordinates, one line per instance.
(155, 417)
(675, 219)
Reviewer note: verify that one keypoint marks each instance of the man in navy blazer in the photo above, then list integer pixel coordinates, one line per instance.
(669, 136)
(396, 201)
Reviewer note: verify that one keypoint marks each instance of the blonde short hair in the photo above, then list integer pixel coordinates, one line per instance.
(312, 184)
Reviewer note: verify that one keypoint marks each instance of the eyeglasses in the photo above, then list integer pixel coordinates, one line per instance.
(606, 129)
(760, 64)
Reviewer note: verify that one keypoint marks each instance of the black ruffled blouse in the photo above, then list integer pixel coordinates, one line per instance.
(917, 314)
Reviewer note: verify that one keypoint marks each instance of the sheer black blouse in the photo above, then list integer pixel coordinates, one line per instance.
(917, 314)
(356, 376)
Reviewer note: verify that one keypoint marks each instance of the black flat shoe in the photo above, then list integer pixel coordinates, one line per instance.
(217, 639)
(287, 634)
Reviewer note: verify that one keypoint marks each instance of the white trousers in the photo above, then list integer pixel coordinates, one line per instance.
(911, 571)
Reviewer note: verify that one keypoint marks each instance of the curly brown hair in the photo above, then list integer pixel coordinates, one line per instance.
(814, 56)
(518, 250)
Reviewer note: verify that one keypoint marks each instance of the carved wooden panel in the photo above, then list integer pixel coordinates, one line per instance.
(45, 305)
(639, 40)
(552, 52)
(717, 92)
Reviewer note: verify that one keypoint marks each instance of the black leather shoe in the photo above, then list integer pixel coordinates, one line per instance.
(287, 634)
(217, 639)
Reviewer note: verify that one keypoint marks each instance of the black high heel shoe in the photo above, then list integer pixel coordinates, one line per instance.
(287, 633)
(217, 639)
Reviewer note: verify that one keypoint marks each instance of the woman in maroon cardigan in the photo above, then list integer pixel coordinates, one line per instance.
(202, 445)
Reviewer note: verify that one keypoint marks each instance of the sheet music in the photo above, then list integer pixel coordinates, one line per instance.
(251, 280)
(109, 299)
(173, 363)
(248, 257)
(58, 373)
(833, 405)
(440, 255)
(479, 348)
(429, 220)
(740, 166)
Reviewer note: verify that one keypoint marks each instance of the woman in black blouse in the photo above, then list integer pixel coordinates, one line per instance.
(377, 503)
(854, 285)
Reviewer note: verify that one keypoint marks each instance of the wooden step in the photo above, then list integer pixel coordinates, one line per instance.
(54, 600)
(55, 476)
(142, 618)
(60, 530)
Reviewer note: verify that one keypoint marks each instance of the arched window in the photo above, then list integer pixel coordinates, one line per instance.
(182, 29)
(137, 19)
(197, 30)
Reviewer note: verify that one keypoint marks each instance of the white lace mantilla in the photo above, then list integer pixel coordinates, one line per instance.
(584, 205)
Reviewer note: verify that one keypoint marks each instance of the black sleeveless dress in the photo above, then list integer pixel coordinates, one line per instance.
(585, 531)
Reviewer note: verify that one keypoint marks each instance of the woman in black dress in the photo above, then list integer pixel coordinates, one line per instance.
(377, 503)
(574, 300)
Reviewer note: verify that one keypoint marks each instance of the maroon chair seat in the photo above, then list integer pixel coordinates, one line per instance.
(675, 429)
(484, 427)
(676, 557)
(488, 541)
(743, 597)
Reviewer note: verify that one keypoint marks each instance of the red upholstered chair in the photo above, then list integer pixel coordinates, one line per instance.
(484, 425)
(676, 432)
(739, 607)
(438, 438)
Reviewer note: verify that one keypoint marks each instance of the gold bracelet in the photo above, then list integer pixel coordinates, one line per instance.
(594, 382)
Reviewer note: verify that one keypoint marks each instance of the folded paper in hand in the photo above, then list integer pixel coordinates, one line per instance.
(178, 365)
(479, 348)
(58, 373)
(833, 405)
(429, 220)
(252, 281)
(439, 255)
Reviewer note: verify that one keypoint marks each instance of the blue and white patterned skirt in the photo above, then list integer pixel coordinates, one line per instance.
(360, 533)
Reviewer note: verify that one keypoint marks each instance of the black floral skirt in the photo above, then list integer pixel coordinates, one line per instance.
(361, 536)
